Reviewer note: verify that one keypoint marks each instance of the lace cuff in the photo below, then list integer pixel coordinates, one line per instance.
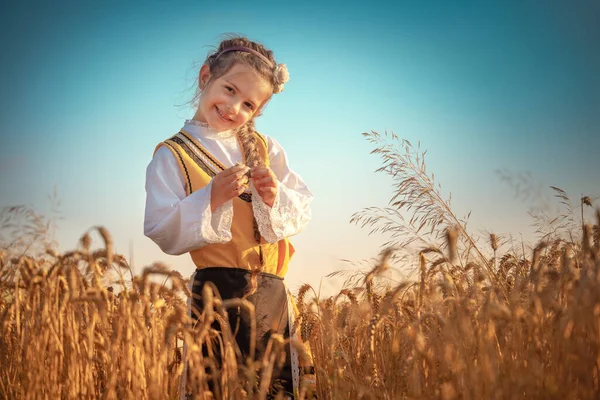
(215, 226)
(287, 217)
(264, 215)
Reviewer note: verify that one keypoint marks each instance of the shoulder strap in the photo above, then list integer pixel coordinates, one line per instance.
(171, 146)
(264, 139)
(199, 152)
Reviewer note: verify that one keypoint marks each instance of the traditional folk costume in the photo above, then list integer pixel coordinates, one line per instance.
(222, 243)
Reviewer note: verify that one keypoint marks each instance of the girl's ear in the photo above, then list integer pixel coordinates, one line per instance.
(204, 76)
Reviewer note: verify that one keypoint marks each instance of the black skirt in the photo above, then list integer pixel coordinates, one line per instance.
(271, 313)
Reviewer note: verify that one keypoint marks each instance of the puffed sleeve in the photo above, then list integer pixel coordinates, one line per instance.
(291, 209)
(175, 222)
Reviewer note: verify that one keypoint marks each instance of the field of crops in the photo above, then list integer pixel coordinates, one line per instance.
(481, 320)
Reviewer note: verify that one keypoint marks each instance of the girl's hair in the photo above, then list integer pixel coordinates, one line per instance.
(221, 62)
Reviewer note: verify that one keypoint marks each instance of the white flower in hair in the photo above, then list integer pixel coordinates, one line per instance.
(280, 77)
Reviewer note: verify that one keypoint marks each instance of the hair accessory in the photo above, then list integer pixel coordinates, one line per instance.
(280, 77)
(247, 50)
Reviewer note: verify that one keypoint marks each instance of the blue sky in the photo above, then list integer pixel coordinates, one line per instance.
(89, 88)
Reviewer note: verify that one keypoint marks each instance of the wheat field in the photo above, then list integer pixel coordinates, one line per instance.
(480, 320)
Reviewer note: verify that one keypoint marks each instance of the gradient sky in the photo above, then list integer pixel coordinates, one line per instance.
(90, 88)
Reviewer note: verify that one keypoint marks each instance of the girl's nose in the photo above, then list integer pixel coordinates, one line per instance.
(234, 108)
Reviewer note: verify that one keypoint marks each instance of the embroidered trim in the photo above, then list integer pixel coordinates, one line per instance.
(193, 151)
(198, 154)
(187, 175)
(199, 149)
(247, 197)
(193, 156)
(295, 364)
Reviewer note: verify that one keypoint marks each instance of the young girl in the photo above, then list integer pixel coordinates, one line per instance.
(226, 194)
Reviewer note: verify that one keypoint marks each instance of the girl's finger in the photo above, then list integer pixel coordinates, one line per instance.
(260, 172)
(236, 191)
(239, 175)
(267, 189)
(231, 174)
(240, 180)
(238, 170)
(239, 183)
(266, 182)
(269, 194)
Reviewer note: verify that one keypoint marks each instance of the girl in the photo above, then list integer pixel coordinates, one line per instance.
(226, 194)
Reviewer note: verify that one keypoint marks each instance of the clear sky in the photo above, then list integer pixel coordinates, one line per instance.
(89, 88)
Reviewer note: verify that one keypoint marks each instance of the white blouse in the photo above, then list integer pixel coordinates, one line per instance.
(179, 224)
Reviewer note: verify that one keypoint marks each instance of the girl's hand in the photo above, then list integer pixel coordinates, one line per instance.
(266, 184)
(228, 184)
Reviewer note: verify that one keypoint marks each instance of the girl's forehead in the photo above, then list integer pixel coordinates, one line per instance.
(247, 81)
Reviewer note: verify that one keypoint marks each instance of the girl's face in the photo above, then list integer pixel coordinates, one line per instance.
(231, 100)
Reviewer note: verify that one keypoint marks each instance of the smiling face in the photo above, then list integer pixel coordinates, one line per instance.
(231, 100)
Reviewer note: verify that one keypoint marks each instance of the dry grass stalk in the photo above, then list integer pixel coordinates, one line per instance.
(452, 335)
(68, 333)
(528, 328)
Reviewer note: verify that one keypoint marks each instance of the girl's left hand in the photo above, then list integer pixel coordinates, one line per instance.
(266, 184)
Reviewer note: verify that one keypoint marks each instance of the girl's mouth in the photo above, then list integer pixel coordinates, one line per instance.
(221, 115)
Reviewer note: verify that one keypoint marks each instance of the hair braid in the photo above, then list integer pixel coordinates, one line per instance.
(247, 135)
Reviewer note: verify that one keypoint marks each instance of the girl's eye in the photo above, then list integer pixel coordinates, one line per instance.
(249, 105)
(229, 88)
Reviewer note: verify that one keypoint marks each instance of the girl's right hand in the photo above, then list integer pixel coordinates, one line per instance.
(228, 184)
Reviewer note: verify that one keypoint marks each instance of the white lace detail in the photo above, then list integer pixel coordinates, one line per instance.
(216, 226)
(262, 213)
(209, 131)
(293, 352)
(282, 215)
(281, 220)
(222, 219)
(197, 123)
